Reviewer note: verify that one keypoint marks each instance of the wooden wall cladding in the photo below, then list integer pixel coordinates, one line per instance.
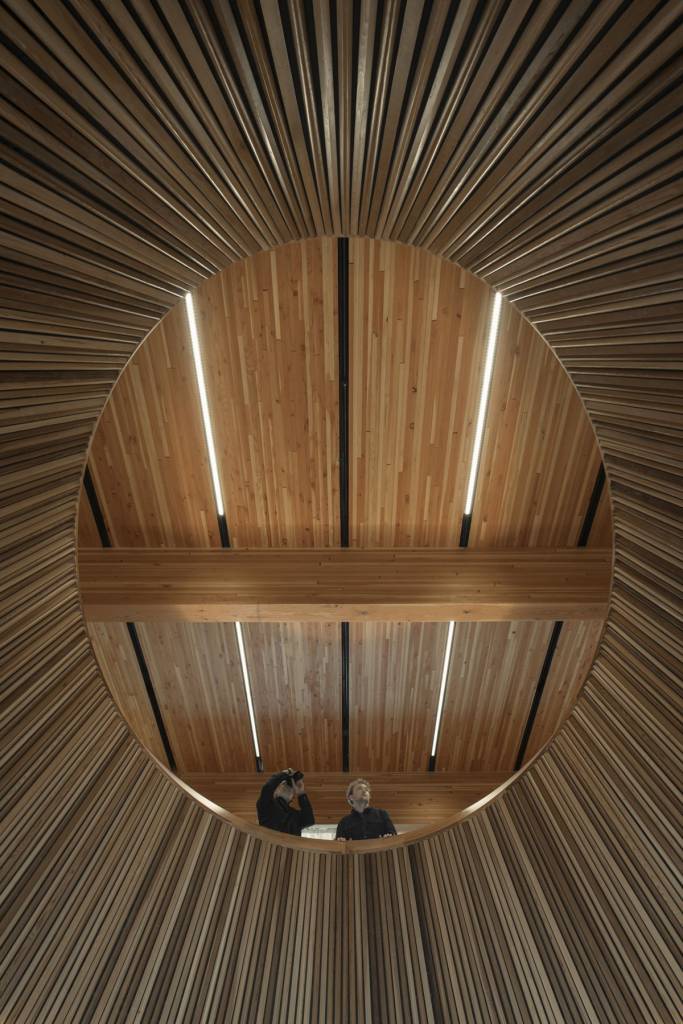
(539, 148)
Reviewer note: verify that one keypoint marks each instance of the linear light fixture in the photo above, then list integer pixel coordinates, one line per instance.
(442, 692)
(204, 402)
(247, 688)
(483, 400)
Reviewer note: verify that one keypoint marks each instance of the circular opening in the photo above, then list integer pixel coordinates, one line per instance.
(344, 512)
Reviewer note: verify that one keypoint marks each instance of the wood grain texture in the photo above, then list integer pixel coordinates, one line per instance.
(116, 659)
(411, 797)
(539, 457)
(575, 653)
(269, 338)
(417, 340)
(539, 148)
(344, 584)
(394, 676)
(491, 681)
(149, 460)
(198, 682)
(295, 673)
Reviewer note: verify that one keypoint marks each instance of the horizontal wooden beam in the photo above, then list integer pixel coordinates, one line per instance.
(352, 585)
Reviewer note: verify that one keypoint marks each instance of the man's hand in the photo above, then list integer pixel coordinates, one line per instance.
(299, 787)
(341, 839)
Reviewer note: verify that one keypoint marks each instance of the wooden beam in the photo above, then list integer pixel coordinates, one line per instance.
(419, 585)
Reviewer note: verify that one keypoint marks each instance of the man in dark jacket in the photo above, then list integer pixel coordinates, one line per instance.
(274, 805)
(364, 821)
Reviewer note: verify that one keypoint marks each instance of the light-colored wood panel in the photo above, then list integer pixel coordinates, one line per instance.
(602, 530)
(411, 797)
(539, 145)
(539, 455)
(295, 673)
(197, 678)
(345, 584)
(573, 658)
(491, 682)
(269, 338)
(114, 651)
(149, 459)
(417, 329)
(88, 537)
(394, 676)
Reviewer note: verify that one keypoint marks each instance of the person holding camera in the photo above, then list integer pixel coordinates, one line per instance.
(364, 821)
(274, 806)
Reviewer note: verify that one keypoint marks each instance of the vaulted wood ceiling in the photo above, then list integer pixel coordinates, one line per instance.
(269, 331)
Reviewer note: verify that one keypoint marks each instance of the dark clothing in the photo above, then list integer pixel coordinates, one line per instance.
(371, 824)
(278, 814)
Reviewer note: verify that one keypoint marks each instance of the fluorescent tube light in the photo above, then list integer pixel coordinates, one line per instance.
(203, 401)
(247, 685)
(483, 401)
(444, 677)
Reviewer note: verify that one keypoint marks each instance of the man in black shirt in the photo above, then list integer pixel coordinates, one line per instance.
(274, 804)
(364, 822)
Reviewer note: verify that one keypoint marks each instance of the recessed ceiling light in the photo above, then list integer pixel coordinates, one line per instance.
(444, 677)
(203, 401)
(247, 686)
(483, 401)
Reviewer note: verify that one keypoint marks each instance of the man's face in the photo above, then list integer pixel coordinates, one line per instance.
(360, 796)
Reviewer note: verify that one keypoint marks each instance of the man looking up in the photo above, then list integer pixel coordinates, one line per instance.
(274, 806)
(364, 821)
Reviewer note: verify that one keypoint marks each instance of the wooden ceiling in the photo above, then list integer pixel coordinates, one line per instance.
(148, 146)
(269, 334)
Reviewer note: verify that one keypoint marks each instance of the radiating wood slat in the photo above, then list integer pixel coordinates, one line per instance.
(545, 156)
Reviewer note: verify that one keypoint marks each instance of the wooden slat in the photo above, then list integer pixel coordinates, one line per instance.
(148, 148)
(343, 585)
